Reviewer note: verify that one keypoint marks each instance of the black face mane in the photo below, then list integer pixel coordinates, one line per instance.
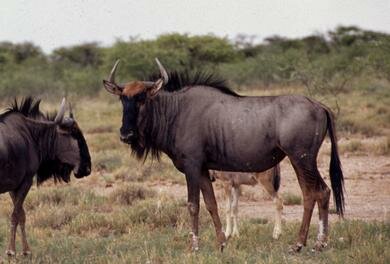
(179, 80)
(29, 107)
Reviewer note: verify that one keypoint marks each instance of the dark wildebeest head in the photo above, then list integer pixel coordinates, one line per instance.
(133, 95)
(69, 150)
(72, 149)
(202, 125)
(30, 144)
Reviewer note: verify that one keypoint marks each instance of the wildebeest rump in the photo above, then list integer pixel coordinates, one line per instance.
(32, 143)
(201, 124)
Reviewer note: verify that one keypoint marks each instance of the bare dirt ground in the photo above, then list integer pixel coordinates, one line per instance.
(367, 190)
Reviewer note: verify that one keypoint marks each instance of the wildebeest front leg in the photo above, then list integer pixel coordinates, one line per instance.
(18, 217)
(211, 205)
(22, 222)
(14, 225)
(193, 189)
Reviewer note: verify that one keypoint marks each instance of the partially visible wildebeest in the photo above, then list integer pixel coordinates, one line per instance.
(201, 124)
(232, 181)
(31, 143)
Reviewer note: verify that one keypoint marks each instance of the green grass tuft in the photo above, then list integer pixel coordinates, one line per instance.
(291, 199)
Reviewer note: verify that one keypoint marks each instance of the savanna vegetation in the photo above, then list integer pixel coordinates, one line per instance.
(347, 68)
(119, 214)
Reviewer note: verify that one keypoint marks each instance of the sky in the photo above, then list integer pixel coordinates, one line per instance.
(57, 23)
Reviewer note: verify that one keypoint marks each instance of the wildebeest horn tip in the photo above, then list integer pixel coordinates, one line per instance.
(163, 72)
(61, 112)
(111, 78)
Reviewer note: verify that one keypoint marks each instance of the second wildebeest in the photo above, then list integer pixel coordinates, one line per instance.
(31, 143)
(201, 124)
(232, 181)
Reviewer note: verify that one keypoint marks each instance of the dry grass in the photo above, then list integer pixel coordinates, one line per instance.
(128, 194)
(291, 199)
(362, 146)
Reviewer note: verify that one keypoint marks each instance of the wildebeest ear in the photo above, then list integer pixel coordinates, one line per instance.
(156, 87)
(112, 87)
(67, 122)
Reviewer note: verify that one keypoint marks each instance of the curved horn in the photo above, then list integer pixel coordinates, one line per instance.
(163, 72)
(61, 112)
(70, 111)
(111, 78)
(149, 84)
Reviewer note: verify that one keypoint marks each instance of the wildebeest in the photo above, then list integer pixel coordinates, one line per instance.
(232, 181)
(32, 143)
(201, 124)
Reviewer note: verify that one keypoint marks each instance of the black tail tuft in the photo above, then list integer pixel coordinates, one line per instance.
(276, 177)
(336, 174)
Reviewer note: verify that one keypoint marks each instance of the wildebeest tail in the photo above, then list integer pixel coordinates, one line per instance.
(276, 177)
(336, 174)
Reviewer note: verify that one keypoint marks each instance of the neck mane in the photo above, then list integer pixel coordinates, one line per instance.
(155, 126)
(45, 137)
(180, 80)
(155, 119)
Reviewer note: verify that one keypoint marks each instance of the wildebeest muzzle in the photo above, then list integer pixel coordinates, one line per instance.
(127, 137)
(83, 172)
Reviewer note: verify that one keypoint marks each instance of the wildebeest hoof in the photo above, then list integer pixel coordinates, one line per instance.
(26, 253)
(236, 234)
(194, 248)
(10, 253)
(319, 246)
(295, 248)
(194, 242)
(276, 234)
(222, 246)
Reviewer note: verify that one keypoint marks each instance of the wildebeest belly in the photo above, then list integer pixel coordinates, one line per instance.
(249, 159)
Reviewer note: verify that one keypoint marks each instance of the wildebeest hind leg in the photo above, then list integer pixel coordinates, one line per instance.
(211, 205)
(307, 181)
(322, 197)
(236, 195)
(229, 200)
(268, 183)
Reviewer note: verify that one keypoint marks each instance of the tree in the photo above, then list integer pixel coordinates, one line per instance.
(88, 54)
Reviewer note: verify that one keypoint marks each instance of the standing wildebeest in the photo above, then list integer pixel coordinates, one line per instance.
(30, 144)
(232, 181)
(201, 124)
